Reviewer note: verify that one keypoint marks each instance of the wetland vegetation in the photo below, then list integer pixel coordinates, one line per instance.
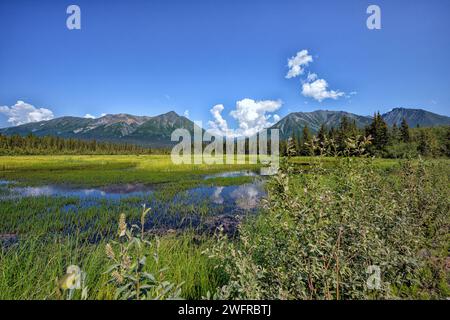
(309, 232)
(62, 210)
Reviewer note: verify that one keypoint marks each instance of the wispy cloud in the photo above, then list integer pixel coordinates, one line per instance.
(22, 113)
(297, 63)
(311, 77)
(90, 116)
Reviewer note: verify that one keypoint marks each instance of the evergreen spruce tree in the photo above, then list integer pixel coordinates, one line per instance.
(322, 133)
(404, 131)
(447, 142)
(378, 130)
(395, 134)
(305, 150)
(332, 134)
(346, 130)
(427, 143)
(290, 148)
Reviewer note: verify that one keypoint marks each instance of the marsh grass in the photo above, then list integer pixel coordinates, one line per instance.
(55, 232)
(94, 171)
(29, 270)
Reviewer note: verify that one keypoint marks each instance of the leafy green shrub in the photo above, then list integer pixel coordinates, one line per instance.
(325, 230)
(401, 150)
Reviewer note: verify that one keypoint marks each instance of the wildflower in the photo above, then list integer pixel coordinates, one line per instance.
(117, 276)
(71, 279)
(126, 263)
(110, 252)
(122, 225)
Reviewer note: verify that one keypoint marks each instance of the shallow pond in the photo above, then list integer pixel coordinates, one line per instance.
(112, 192)
(232, 174)
(206, 208)
(202, 207)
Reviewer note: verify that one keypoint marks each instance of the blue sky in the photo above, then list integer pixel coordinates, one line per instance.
(150, 57)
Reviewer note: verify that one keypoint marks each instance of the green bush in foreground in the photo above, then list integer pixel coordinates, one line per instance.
(325, 233)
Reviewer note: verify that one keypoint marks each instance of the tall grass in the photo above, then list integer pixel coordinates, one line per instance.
(30, 269)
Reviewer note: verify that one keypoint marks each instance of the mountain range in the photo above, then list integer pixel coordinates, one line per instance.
(414, 117)
(118, 128)
(156, 131)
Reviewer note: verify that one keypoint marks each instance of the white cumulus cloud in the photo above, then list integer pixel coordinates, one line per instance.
(186, 113)
(219, 125)
(312, 86)
(252, 116)
(318, 90)
(22, 113)
(297, 63)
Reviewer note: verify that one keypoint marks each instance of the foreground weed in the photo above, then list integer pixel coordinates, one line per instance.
(129, 258)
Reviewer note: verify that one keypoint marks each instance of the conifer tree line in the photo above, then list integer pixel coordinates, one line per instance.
(398, 141)
(51, 145)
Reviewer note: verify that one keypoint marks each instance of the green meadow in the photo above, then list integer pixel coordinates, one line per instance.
(42, 235)
(99, 170)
